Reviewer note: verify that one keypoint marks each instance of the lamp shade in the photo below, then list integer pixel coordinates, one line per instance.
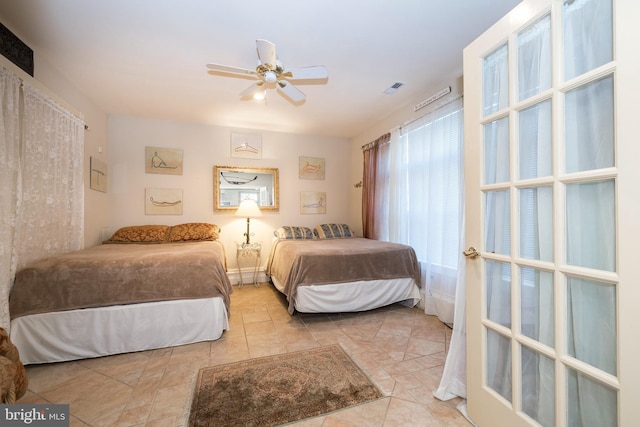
(248, 209)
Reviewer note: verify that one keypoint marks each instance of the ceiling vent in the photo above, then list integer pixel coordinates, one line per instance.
(394, 87)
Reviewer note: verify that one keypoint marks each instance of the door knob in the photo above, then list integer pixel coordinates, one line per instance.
(471, 253)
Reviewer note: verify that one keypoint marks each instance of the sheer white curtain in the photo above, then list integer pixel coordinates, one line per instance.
(426, 211)
(9, 187)
(426, 189)
(497, 228)
(590, 218)
(42, 193)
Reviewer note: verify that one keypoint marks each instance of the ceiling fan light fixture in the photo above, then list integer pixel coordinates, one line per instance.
(270, 76)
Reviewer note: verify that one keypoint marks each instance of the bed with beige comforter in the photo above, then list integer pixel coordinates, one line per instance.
(121, 274)
(119, 298)
(343, 274)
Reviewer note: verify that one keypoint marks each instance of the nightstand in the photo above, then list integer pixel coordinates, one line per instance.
(250, 252)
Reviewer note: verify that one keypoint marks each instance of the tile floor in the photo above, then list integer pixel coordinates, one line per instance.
(401, 349)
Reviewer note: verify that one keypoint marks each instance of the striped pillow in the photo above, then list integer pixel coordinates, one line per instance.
(288, 232)
(333, 231)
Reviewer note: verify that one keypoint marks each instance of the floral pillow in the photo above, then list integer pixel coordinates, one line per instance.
(333, 231)
(288, 232)
(140, 234)
(194, 231)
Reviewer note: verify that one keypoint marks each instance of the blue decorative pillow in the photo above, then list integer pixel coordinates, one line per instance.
(333, 231)
(288, 232)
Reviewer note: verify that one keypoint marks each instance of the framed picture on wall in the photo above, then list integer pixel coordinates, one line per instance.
(98, 175)
(248, 146)
(163, 201)
(167, 161)
(313, 202)
(310, 167)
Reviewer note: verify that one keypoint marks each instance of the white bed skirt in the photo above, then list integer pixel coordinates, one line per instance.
(353, 296)
(94, 332)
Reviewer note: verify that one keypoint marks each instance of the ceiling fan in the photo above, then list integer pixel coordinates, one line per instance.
(270, 73)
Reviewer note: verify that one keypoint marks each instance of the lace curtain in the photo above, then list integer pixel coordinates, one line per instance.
(10, 179)
(43, 198)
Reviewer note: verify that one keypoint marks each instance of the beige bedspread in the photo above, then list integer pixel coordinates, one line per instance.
(121, 274)
(316, 262)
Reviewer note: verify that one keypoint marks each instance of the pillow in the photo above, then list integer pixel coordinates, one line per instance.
(288, 232)
(140, 234)
(194, 231)
(333, 231)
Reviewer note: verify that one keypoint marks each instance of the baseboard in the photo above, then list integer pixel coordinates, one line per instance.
(247, 276)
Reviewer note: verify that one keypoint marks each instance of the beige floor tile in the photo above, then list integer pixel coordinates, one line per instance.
(424, 347)
(133, 417)
(170, 402)
(311, 422)
(256, 316)
(401, 349)
(144, 394)
(365, 415)
(47, 377)
(402, 413)
(182, 374)
(447, 416)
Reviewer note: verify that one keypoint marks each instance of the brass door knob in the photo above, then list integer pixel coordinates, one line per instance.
(471, 253)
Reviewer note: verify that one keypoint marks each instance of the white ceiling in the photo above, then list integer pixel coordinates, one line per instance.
(148, 57)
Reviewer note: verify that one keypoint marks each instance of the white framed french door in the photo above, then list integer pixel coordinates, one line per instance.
(552, 196)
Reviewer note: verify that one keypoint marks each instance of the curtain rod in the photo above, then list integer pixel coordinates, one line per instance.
(378, 140)
(25, 77)
(442, 104)
(438, 106)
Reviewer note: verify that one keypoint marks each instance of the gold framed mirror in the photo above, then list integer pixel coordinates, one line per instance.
(232, 184)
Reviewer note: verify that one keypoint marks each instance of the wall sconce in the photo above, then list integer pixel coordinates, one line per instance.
(248, 209)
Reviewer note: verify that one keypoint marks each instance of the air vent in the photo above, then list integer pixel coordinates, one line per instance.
(394, 87)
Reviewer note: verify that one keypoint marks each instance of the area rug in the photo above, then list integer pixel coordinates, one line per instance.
(274, 390)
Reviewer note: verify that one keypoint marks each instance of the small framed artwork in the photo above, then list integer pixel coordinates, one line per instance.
(163, 201)
(167, 161)
(313, 202)
(98, 175)
(248, 146)
(310, 168)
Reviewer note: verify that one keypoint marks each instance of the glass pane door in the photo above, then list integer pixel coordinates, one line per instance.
(543, 144)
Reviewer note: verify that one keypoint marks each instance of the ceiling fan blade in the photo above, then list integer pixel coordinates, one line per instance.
(230, 69)
(304, 73)
(267, 53)
(253, 89)
(290, 91)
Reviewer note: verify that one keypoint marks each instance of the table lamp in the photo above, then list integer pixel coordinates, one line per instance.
(249, 209)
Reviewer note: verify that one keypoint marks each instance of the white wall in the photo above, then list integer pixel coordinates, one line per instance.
(205, 146)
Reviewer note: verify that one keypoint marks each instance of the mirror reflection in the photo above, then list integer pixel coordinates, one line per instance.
(233, 184)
